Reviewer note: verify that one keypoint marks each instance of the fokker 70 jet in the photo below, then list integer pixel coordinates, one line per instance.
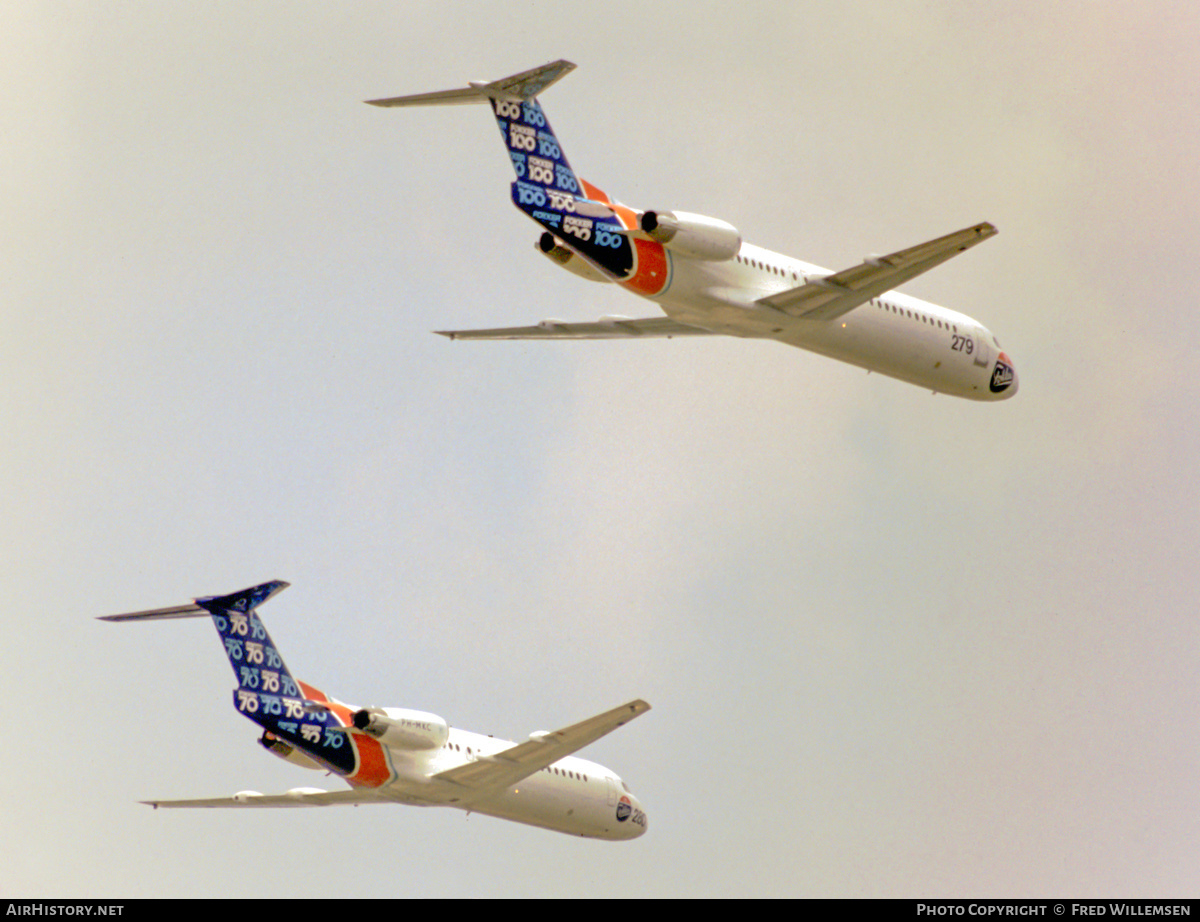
(708, 281)
(395, 755)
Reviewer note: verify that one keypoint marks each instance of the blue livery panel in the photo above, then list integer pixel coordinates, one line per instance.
(267, 693)
(548, 190)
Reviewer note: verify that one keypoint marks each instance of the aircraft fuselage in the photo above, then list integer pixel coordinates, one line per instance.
(572, 795)
(894, 334)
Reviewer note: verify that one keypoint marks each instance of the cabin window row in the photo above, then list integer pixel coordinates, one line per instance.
(914, 315)
(767, 267)
(566, 774)
(577, 776)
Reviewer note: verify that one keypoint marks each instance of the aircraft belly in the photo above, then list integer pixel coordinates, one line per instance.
(725, 316)
(888, 346)
(416, 792)
(557, 804)
(923, 358)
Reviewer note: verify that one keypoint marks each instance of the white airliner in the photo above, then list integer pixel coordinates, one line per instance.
(707, 281)
(395, 755)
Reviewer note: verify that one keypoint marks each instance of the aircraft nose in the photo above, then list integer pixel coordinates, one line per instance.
(641, 822)
(1004, 378)
(631, 817)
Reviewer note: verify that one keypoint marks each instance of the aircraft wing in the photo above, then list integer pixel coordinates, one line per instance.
(605, 328)
(299, 797)
(832, 296)
(492, 774)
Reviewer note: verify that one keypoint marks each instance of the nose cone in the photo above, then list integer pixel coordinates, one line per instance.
(631, 818)
(1003, 383)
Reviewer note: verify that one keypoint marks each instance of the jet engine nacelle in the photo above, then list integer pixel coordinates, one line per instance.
(694, 235)
(568, 260)
(286, 751)
(401, 728)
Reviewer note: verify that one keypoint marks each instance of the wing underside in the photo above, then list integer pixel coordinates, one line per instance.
(301, 797)
(607, 328)
(492, 774)
(831, 296)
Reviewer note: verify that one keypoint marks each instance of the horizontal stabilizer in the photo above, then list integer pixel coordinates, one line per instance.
(606, 328)
(831, 296)
(522, 86)
(245, 600)
(155, 614)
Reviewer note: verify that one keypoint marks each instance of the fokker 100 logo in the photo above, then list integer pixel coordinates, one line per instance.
(1002, 377)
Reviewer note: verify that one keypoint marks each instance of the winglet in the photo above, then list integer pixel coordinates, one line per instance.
(522, 86)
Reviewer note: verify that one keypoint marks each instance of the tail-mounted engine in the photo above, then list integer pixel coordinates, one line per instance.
(286, 751)
(693, 235)
(549, 245)
(400, 728)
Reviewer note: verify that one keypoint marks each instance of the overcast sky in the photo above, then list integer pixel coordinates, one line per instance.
(896, 644)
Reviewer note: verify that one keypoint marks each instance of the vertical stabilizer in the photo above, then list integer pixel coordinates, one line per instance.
(267, 693)
(547, 188)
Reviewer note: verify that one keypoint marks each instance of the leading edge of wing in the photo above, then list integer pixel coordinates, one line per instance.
(494, 773)
(832, 296)
(298, 797)
(605, 328)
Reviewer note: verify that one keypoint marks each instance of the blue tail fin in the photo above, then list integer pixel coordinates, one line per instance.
(267, 693)
(547, 189)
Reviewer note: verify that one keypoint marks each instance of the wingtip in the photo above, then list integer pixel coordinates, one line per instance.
(637, 707)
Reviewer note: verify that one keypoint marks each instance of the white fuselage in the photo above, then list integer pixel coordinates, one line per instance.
(894, 334)
(572, 795)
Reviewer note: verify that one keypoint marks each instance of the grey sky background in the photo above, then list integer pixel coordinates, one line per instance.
(896, 644)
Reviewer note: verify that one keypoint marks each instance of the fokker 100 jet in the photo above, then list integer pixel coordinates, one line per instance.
(708, 281)
(395, 755)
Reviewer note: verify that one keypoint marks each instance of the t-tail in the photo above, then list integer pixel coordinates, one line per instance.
(578, 215)
(293, 715)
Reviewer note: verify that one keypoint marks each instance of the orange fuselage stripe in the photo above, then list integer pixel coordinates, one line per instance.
(373, 769)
